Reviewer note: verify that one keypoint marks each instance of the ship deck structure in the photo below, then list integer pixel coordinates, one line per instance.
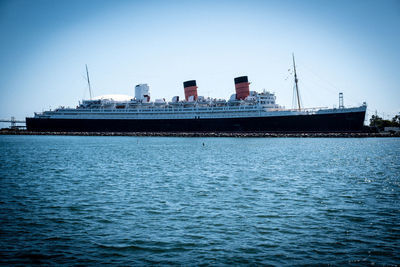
(245, 111)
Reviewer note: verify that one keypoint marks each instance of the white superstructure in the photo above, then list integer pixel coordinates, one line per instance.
(255, 105)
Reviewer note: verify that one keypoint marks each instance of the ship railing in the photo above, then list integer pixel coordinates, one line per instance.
(170, 109)
(169, 114)
(316, 110)
(295, 109)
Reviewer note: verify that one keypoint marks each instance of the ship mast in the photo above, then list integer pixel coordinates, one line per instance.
(88, 80)
(296, 83)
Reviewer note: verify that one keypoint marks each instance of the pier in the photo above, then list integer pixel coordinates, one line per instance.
(14, 122)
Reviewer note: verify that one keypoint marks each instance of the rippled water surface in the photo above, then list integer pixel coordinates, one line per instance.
(160, 200)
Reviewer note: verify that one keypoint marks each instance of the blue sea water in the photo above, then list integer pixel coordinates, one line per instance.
(199, 201)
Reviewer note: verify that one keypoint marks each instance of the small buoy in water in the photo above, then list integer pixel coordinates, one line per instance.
(203, 144)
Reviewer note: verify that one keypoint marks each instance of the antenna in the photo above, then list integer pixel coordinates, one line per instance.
(295, 81)
(88, 80)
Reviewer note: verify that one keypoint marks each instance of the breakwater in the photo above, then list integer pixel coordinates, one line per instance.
(204, 134)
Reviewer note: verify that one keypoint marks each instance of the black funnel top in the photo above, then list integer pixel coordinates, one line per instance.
(189, 83)
(241, 79)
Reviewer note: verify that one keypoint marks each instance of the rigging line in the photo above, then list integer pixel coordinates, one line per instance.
(320, 77)
(314, 88)
(321, 83)
(83, 87)
(330, 84)
(295, 101)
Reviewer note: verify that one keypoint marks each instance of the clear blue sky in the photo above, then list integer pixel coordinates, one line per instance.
(340, 46)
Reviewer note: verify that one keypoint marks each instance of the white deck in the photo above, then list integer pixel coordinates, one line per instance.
(185, 113)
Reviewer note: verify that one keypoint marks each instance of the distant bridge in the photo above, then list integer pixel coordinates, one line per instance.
(14, 122)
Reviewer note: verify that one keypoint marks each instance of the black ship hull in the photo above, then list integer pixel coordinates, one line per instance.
(329, 122)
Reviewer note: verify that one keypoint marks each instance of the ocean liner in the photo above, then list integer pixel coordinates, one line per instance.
(245, 111)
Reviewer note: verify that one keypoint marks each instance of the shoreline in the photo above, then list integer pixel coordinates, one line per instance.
(205, 134)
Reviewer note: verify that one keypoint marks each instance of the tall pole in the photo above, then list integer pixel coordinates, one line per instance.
(88, 80)
(295, 81)
(341, 105)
